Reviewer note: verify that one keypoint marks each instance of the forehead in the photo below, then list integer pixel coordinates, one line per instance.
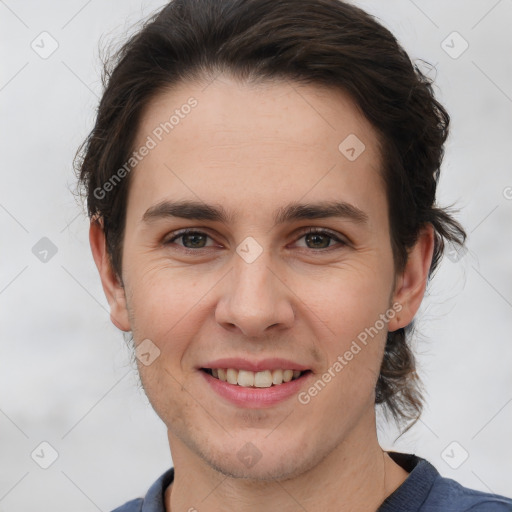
(268, 109)
(210, 139)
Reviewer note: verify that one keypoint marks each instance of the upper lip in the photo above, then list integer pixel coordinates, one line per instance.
(240, 363)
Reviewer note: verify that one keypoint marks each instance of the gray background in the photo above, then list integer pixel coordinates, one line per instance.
(65, 373)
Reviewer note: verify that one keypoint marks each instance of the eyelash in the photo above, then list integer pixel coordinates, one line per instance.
(319, 231)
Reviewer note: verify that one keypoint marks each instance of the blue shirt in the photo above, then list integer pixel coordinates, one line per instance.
(424, 490)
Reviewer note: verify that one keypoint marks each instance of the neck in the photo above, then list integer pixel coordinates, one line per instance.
(357, 476)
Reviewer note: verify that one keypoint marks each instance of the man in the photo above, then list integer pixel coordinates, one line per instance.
(261, 183)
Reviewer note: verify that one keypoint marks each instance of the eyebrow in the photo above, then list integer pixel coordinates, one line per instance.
(196, 210)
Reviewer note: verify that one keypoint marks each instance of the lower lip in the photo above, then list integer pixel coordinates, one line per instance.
(256, 398)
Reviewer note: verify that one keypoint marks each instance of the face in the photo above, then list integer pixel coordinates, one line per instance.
(255, 284)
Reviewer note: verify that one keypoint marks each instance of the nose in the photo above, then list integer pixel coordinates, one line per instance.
(255, 298)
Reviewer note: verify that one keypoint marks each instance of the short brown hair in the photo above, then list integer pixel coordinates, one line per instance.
(324, 42)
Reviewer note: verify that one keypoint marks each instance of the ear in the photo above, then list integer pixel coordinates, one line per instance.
(410, 285)
(114, 290)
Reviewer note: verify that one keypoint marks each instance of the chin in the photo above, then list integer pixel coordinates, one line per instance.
(262, 471)
(260, 461)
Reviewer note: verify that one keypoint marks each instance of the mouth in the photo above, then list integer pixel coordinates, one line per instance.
(261, 379)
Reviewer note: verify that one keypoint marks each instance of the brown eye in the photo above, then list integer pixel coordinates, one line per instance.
(320, 239)
(190, 239)
(315, 238)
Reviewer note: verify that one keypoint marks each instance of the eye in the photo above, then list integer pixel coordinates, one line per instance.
(192, 239)
(195, 239)
(320, 238)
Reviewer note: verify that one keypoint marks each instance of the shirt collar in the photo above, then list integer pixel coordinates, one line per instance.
(154, 500)
(414, 490)
(408, 496)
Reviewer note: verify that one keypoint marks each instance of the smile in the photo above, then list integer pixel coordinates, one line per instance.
(261, 379)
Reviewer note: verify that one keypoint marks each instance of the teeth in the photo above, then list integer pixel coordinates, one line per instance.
(263, 379)
(245, 378)
(277, 377)
(231, 376)
(287, 375)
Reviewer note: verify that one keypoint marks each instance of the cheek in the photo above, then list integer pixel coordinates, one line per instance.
(161, 296)
(167, 307)
(354, 346)
(354, 309)
(350, 299)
